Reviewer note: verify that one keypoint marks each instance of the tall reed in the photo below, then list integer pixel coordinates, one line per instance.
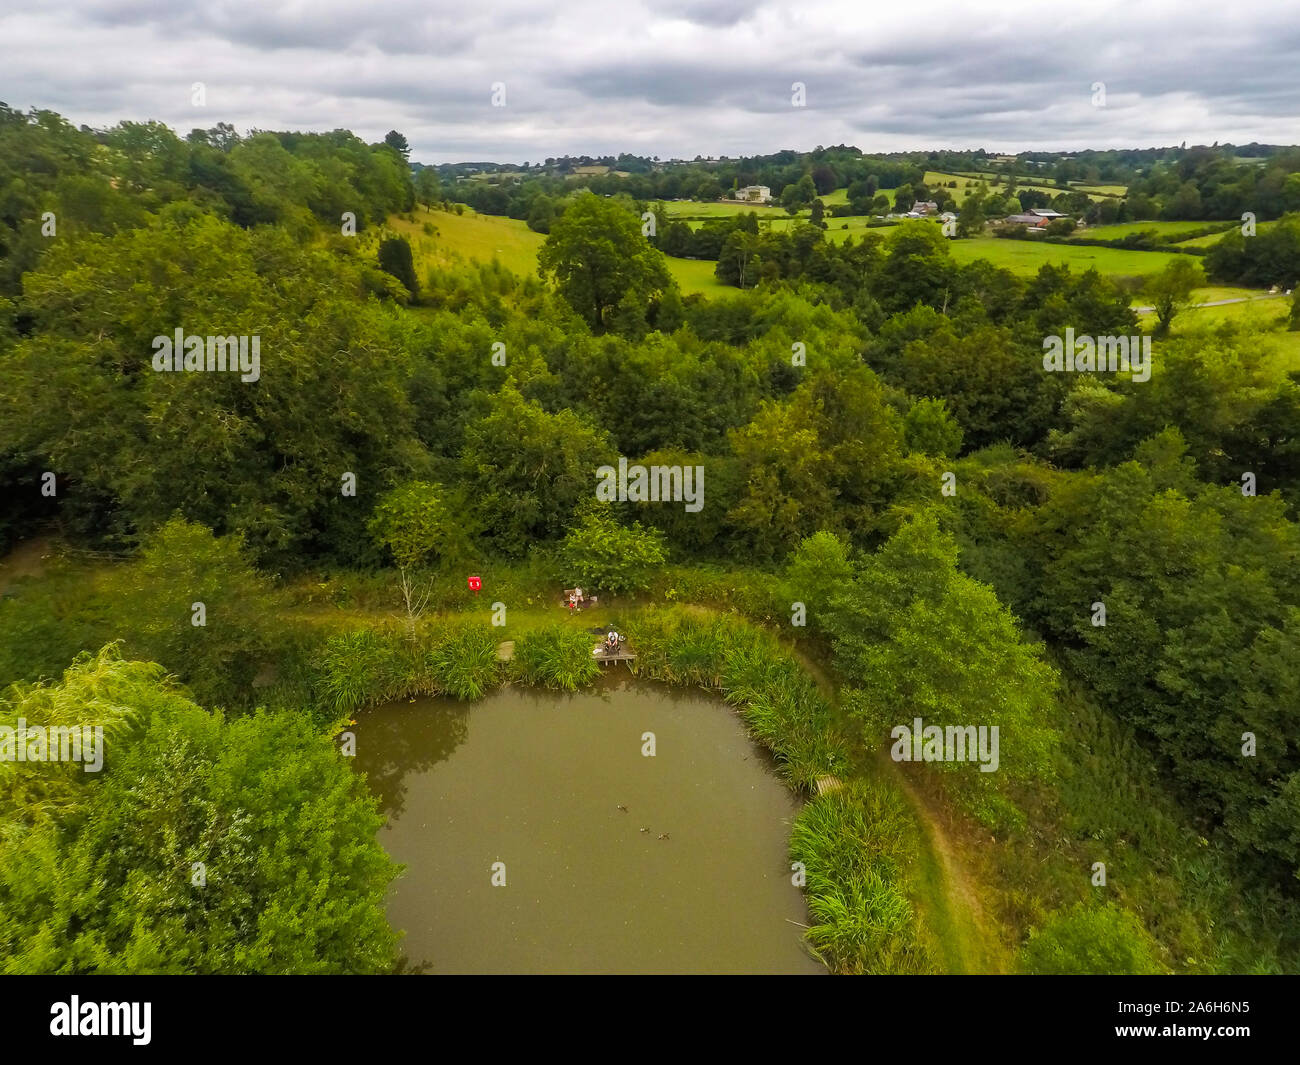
(462, 659)
(554, 657)
(855, 845)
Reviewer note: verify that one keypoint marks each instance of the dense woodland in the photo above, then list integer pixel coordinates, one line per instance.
(825, 478)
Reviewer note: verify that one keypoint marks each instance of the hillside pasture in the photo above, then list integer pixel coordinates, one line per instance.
(1024, 257)
(472, 237)
(1163, 229)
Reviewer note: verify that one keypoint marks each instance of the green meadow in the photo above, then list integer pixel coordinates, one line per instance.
(1164, 229)
(967, 180)
(472, 237)
(1101, 190)
(1024, 257)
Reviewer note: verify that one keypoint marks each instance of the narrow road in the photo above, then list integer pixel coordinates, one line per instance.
(1221, 303)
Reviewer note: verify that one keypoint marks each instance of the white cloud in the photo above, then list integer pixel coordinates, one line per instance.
(681, 77)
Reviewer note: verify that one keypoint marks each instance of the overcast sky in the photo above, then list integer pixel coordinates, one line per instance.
(672, 77)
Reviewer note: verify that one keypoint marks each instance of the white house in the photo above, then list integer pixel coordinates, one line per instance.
(754, 194)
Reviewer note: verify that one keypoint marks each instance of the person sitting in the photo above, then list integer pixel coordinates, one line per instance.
(611, 642)
(577, 594)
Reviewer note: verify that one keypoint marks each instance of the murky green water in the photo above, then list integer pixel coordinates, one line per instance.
(535, 781)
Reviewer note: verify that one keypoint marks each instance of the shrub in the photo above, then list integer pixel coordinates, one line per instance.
(99, 882)
(1089, 939)
(554, 657)
(395, 258)
(610, 557)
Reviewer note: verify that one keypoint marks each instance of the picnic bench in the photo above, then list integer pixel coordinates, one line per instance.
(582, 604)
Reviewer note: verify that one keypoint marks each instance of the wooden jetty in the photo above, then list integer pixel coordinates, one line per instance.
(828, 783)
(602, 656)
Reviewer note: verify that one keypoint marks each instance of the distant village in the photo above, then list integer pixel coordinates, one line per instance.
(1035, 220)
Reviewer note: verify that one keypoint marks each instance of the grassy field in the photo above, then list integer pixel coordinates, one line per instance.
(1024, 257)
(934, 179)
(1201, 242)
(696, 275)
(692, 210)
(1214, 238)
(968, 181)
(1264, 316)
(470, 237)
(1262, 311)
(481, 238)
(841, 228)
(698, 212)
(1165, 229)
(1101, 190)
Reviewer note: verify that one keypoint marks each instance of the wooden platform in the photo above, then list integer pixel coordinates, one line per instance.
(828, 783)
(621, 655)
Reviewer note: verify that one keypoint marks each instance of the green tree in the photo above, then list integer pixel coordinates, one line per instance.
(1170, 291)
(815, 572)
(526, 470)
(917, 268)
(596, 254)
(930, 429)
(428, 189)
(182, 564)
(205, 845)
(395, 258)
(606, 556)
(398, 143)
(412, 521)
(541, 216)
(261, 457)
(824, 459)
(736, 261)
(916, 637)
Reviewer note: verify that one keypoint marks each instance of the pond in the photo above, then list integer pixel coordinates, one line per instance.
(613, 862)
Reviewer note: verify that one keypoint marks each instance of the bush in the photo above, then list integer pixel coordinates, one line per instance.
(100, 880)
(930, 428)
(1089, 939)
(395, 259)
(609, 557)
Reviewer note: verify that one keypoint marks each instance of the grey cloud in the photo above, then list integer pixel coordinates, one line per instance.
(670, 77)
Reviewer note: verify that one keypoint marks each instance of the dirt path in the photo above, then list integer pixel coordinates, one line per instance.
(967, 935)
(1224, 303)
